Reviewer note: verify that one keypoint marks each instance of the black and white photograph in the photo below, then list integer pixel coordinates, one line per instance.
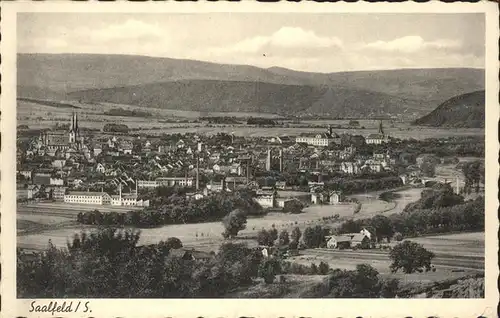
(250, 155)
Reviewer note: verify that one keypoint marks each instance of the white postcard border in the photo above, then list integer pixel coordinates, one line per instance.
(246, 307)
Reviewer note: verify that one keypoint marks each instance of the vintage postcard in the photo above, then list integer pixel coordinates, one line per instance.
(249, 160)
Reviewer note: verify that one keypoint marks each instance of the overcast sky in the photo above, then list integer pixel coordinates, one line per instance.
(307, 42)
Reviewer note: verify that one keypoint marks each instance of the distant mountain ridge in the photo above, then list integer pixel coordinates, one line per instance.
(463, 111)
(166, 83)
(230, 96)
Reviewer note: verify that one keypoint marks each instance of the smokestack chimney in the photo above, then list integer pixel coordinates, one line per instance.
(248, 171)
(281, 160)
(197, 172)
(268, 160)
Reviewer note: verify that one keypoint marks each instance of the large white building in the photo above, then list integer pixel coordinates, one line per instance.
(95, 198)
(166, 182)
(320, 140)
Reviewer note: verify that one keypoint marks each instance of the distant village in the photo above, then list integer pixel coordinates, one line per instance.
(75, 168)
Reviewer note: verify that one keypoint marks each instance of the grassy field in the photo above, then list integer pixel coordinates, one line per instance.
(205, 236)
(463, 243)
(457, 255)
(43, 219)
(68, 210)
(91, 116)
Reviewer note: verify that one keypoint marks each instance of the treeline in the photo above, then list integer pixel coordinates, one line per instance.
(177, 209)
(119, 128)
(221, 120)
(446, 147)
(261, 121)
(363, 185)
(299, 269)
(48, 103)
(437, 211)
(110, 264)
(127, 113)
(301, 179)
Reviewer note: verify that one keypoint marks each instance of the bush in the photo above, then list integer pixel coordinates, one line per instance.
(284, 238)
(264, 238)
(398, 237)
(315, 236)
(268, 269)
(173, 243)
(410, 257)
(323, 268)
(233, 223)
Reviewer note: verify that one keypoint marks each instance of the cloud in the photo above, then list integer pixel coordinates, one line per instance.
(291, 37)
(412, 44)
(286, 38)
(129, 30)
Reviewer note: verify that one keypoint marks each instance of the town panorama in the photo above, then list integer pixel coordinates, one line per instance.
(187, 176)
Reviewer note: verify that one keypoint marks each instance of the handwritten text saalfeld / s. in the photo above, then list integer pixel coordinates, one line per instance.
(60, 307)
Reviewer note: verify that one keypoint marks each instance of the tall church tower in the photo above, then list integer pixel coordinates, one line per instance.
(74, 133)
(381, 129)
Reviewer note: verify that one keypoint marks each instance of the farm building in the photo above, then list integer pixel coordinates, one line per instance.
(350, 240)
(325, 197)
(339, 241)
(283, 202)
(266, 201)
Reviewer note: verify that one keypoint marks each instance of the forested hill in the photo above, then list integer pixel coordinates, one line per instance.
(171, 83)
(236, 96)
(463, 111)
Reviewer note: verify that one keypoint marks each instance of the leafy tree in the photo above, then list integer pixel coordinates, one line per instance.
(398, 236)
(264, 238)
(383, 227)
(173, 243)
(474, 174)
(296, 234)
(314, 269)
(389, 288)
(315, 236)
(42, 192)
(284, 238)
(428, 169)
(351, 226)
(273, 233)
(364, 282)
(410, 257)
(323, 268)
(294, 207)
(234, 222)
(268, 269)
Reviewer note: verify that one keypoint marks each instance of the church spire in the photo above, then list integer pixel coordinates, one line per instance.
(381, 128)
(76, 122)
(72, 126)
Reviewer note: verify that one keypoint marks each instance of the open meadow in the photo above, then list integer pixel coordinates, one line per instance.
(205, 235)
(38, 116)
(457, 255)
